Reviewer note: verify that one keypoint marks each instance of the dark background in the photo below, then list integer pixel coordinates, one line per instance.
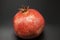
(50, 9)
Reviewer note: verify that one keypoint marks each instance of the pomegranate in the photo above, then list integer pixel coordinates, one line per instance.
(28, 23)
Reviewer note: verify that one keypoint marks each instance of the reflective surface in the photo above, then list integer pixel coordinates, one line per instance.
(51, 32)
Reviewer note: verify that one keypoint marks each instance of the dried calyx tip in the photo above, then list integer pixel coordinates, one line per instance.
(24, 8)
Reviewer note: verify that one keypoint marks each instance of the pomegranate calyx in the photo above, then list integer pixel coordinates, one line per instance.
(24, 8)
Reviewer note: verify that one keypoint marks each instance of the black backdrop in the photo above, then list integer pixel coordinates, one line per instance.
(48, 8)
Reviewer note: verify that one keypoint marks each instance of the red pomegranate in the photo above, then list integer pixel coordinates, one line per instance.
(28, 23)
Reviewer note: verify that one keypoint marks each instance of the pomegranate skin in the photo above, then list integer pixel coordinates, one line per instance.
(29, 24)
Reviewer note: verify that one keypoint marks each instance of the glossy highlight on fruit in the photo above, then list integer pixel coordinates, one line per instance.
(28, 23)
